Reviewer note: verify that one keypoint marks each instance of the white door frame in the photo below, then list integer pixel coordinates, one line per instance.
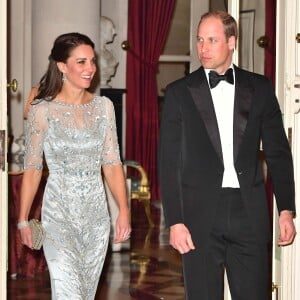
(3, 126)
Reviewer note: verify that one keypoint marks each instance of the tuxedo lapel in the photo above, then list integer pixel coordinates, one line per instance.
(242, 105)
(201, 95)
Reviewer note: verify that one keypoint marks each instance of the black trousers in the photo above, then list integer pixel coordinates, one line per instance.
(231, 246)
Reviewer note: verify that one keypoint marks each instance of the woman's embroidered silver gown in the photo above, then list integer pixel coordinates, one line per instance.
(76, 140)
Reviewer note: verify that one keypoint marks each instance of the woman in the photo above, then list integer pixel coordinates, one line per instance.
(76, 132)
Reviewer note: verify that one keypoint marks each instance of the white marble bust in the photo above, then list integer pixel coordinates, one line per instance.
(108, 62)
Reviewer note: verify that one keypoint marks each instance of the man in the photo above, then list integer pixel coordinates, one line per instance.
(211, 180)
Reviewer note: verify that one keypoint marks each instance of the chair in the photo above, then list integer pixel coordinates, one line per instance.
(140, 188)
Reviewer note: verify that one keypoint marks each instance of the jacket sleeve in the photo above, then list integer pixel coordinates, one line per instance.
(169, 158)
(278, 153)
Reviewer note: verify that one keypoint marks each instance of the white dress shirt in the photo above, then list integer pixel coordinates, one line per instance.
(223, 100)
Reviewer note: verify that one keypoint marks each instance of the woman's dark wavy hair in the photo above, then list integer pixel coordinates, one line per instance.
(51, 82)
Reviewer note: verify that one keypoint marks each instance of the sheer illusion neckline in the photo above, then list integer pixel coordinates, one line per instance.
(75, 105)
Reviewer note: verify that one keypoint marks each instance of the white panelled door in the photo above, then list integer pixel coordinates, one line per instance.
(286, 260)
(3, 150)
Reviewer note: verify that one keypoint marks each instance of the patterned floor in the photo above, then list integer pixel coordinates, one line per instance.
(146, 268)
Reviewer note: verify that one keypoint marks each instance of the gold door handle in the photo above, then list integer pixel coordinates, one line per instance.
(298, 37)
(263, 41)
(13, 85)
(275, 288)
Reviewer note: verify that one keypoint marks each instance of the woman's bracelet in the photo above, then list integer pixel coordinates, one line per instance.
(22, 224)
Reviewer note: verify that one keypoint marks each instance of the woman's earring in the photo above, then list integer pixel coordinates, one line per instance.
(64, 78)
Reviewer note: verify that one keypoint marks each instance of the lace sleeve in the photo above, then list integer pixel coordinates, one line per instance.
(36, 125)
(110, 153)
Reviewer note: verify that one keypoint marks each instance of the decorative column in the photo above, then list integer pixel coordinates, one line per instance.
(55, 17)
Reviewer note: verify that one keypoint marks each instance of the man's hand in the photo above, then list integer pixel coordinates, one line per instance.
(287, 228)
(181, 239)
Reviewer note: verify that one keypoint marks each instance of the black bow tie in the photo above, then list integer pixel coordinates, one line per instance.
(215, 78)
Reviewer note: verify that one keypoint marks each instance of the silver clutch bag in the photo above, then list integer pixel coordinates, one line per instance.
(38, 233)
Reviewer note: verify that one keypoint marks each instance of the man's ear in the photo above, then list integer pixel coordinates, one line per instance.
(232, 42)
(61, 67)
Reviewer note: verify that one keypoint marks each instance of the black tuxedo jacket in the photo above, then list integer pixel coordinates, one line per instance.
(190, 153)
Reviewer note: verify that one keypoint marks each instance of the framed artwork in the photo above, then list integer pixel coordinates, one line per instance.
(246, 39)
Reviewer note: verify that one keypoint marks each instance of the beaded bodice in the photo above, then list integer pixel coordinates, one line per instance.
(74, 138)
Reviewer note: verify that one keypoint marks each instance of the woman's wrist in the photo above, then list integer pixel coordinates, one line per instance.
(124, 209)
(22, 224)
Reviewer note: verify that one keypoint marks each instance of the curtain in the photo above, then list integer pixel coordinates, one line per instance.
(22, 260)
(148, 25)
(270, 32)
(270, 68)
